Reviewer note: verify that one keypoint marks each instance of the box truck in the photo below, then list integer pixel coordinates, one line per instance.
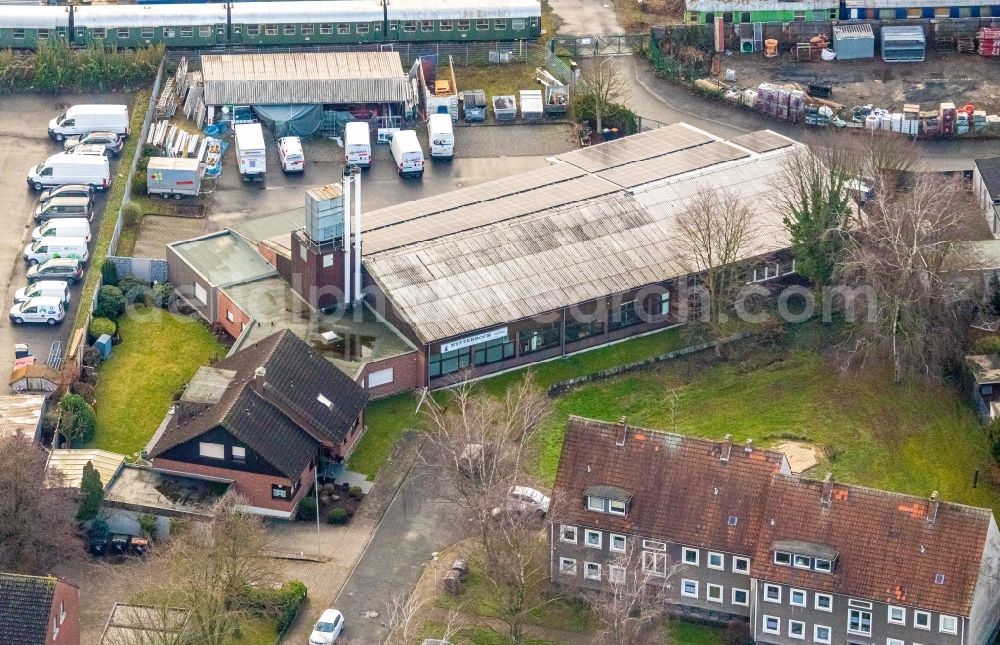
(441, 136)
(357, 144)
(166, 176)
(66, 168)
(250, 151)
(407, 154)
(81, 119)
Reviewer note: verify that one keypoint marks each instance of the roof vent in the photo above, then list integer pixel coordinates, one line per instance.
(715, 491)
(932, 515)
(939, 579)
(623, 426)
(733, 520)
(748, 448)
(827, 489)
(260, 372)
(727, 449)
(922, 548)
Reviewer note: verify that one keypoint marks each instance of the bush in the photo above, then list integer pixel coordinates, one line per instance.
(280, 604)
(140, 185)
(131, 213)
(307, 509)
(91, 492)
(616, 116)
(110, 303)
(109, 272)
(738, 632)
(355, 492)
(78, 419)
(147, 524)
(987, 345)
(163, 294)
(85, 390)
(337, 516)
(100, 326)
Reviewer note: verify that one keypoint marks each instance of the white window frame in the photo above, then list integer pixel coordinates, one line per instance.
(684, 584)
(860, 632)
(709, 588)
(941, 627)
(590, 504)
(684, 556)
(894, 641)
(902, 615)
(381, 377)
(588, 566)
(121, 32)
(567, 566)
(722, 561)
(777, 624)
(653, 545)
(782, 564)
(616, 573)
(326, 28)
(768, 587)
(746, 597)
(613, 511)
(343, 29)
(791, 598)
(239, 453)
(563, 528)
(214, 451)
(816, 599)
(658, 560)
(745, 562)
(802, 626)
(587, 533)
(827, 568)
(611, 542)
(807, 562)
(819, 639)
(859, 604)
(205, 31)
(187, 32)
(308, 30)
(926, 615)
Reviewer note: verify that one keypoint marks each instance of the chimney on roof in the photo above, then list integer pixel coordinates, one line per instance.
(623, 432)
(727, 449)
(932, 513)
(749, 447)
(827, 490)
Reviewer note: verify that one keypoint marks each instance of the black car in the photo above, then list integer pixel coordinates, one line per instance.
(66, 269)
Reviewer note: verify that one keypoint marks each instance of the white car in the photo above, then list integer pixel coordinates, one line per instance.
(90, 149)
(328, 628)
(42, 309)
(291, 155)
(522, 499)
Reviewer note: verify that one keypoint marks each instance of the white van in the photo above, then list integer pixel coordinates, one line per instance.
(51, 288)
(357, 144)
(441, 136)
(290, 153)
(44, 309)
(407, 153)
(66, 168)
(68, 227)
(81, 119)
(56, 247)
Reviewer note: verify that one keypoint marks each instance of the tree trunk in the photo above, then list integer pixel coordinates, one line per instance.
(597, 117)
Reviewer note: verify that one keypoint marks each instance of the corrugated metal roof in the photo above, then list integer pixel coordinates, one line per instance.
(851, 32)
(20, 413)
(462, 278)
(902, 32)
(70, 463)
(304, 78)
(33, 16)
(463, 10)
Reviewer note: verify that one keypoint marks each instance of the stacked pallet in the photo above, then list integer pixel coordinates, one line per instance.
(989, 42)
(965, 45)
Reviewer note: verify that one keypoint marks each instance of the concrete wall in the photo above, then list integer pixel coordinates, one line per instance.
(144, 269)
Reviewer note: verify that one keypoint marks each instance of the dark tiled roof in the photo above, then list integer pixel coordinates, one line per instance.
(25, 605)
(989, 170)
(280, 414)
(681, 490)
(888, 549)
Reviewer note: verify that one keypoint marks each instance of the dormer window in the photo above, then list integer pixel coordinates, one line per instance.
(607, 499)
(804, 555)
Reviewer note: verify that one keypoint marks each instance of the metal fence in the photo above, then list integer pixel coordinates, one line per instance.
(587, 46)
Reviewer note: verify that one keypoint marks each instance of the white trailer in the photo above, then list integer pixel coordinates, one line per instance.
(166, 176)
(250, 151)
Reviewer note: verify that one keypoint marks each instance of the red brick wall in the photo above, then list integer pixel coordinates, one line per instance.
(406, 374)
(69, 632)
(226, 305)
(256, 488)
(320, 286)
(268, 253)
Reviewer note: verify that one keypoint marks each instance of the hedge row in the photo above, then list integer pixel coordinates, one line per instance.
(57, 67)
(116, 194)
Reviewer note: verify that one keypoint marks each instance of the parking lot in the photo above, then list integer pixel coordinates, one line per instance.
(482, 153)
(24, 141)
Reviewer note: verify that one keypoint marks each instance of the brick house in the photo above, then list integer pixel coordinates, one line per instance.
(261, 418)
(802, 560)
(36, 610)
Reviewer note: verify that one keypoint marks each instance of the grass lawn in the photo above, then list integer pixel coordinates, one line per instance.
(913, 438)
(695, 633)
(255, 631)
(156, 357)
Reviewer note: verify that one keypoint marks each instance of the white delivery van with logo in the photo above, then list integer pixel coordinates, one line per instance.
(83, 119)
(66, 168)
(441, 136)
(407, 154)
(48, 248)
(44, 309)
(68, 227)
(357, 144)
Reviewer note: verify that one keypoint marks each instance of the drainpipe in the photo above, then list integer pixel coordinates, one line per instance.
(357, 235)
(347, 236)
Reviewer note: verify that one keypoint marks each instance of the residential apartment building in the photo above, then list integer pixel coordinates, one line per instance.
(731, 533)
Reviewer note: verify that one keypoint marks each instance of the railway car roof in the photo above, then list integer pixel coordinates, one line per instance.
(33, 16)
(463, 9)
(160, 15)
(306, 11)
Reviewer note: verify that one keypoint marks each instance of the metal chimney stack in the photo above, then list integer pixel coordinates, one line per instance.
(357, 234)
(347, 235)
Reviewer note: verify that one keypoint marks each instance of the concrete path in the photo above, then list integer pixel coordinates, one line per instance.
(421, 520)
(586, 17)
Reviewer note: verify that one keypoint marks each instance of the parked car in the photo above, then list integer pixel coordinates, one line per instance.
(43, 309)
(291, 155)
(328, 628)
(111, 142)
(63, 208)
(523, 500)
(54, 288)
(90, 149)
(57, 269)
(67, 190)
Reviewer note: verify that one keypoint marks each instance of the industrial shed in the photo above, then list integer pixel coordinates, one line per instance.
(301, 93)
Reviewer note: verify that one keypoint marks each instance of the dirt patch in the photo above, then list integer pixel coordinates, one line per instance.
(801, 456)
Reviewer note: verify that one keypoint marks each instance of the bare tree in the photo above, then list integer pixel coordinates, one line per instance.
(907, 258)
(634, 598)
(604, 85)
(713, 237)
(37, 527)
(402, 612)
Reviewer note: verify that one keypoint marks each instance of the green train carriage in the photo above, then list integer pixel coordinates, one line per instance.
(25, 26)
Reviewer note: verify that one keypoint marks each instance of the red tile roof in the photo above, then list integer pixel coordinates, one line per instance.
(889, 549)
(681, 490)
